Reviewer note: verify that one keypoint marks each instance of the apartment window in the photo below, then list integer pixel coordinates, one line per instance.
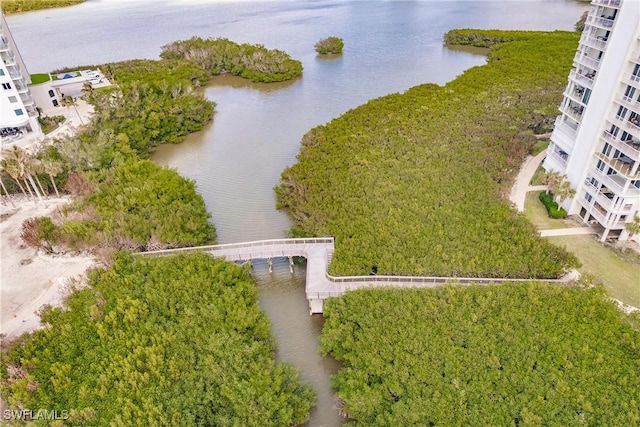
(19, 112)
(636, 71)
(607, 149)
(614, 130)
(51, 94)
(13, 99)
(587, 95)
(622, 111)
(588, 197)
(1, 72)
(55, 102)
(600, 166)
(630, 91)
(6, 86)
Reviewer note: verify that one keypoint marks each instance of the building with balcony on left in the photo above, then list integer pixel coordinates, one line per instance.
(18, 114)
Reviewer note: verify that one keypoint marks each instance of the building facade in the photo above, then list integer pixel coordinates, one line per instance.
(18, 114)
(596, 139)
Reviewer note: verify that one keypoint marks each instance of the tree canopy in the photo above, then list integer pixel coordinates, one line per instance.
(413, 183)
(253, 62)
(158, 341)
(518, 354)
(329, 45)
(137, 205)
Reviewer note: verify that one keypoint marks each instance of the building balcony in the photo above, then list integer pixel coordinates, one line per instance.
(616, 183)
(599, 42)
(21, 87)
(557, 160)
(604, 218)
(8, 58)
(587, 61)
(605, 22)
(626, 125)
(630, 148)
(632, 80)
(585, 80)
(607, 200)
(624, 166)
(628, 102)
(573, 111)
(564, 134)
(31, 111)
(26, 99)
(607, 3)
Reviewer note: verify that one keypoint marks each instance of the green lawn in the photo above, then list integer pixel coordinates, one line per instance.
(39, 78)
(538, 177)
(539, 147)
(621, 278)
(537, 214)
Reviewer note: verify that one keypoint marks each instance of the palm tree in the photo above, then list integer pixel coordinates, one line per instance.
(564, 190)
(632, 228)
(559, 186)
(552, 179)
(34, 165)
(52, 168)
(5, 189)
(21, 160)
(13, 170)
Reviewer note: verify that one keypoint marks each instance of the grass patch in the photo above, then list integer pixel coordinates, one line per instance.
(538, 176)
(535, 211)
(619, 277)
(538, 147)
(36, 79)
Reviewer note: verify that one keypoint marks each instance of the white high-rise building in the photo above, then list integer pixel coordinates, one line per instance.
(596, 139)
(18, 114)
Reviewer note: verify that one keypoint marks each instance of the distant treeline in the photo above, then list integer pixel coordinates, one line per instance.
(16, 6)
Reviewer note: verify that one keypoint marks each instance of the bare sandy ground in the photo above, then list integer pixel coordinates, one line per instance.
(29, 280)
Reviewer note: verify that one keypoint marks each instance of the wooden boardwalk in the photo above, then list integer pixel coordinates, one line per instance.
(318, 252)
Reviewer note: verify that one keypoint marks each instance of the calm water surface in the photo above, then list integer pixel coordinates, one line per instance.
(236, 161)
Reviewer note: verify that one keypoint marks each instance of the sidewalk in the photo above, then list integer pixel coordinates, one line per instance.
(567, 231)
(521, 187)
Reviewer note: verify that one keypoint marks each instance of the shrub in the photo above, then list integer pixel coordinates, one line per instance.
(330, 45)
(553, 209)
(484, 355)
(49, 123)
(158, 341)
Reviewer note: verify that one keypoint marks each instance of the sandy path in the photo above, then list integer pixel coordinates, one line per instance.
(26, 286)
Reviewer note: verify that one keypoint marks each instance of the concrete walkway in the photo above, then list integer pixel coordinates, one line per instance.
(521, 187)
(568, 231)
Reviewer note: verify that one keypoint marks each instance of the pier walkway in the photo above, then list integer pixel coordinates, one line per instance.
(318, 252)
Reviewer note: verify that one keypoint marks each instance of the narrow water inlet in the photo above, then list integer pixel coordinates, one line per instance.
(296, 332)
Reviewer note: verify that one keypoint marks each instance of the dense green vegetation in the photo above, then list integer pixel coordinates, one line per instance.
(522, 355)
(412, 183)
(553, 209)
(15, 6)
(137, 205)
(254, 62)
(162, 342)
(330, 45)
